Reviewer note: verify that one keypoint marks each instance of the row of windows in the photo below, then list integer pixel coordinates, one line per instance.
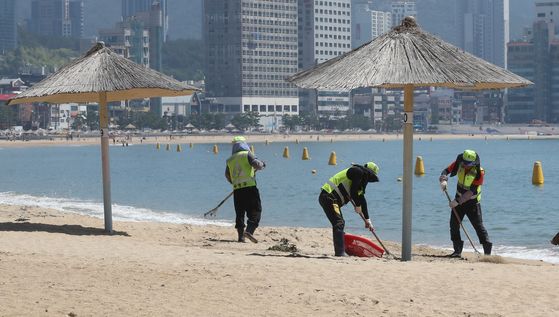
(265, 37)
(284, 85)
(331, 12)
(269, 108)
(272, 6)
(268, 92)
(331, 4)
(331, 53)
(251, 68)
(341, 45)
(269, 45)
(264, 61)
(330, 20)
(331, 28)
(269, 14)
(263, 77)
(332, 36)
(270, 53)
(290, 23)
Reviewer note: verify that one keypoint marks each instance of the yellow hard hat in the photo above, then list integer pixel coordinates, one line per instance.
(238, 139)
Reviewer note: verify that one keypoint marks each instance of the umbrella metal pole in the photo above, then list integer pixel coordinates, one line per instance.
(407, 181)
(104, 125)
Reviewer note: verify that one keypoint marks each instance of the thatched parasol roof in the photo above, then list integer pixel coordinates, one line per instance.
(407, 55)
(102, 70)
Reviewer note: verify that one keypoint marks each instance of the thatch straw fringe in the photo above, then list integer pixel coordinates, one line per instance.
(406, 56)
(102, 70)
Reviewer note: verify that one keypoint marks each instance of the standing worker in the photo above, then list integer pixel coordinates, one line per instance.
(347, 185)
(467, 199)
(240, 172)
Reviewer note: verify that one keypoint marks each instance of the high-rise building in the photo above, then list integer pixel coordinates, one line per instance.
(324, 33)
(129, 39)
(57, 18)
(401, 9)
(367, 23)
(8, 29)
(537, 59)
(131, 8)
(476, 26)
(250, 48)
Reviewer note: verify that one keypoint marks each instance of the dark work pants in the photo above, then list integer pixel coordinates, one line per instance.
(472, 209)
(332, 211)
(247, 201)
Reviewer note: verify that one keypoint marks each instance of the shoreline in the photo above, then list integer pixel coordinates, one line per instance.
(56, 264)
(174, 140)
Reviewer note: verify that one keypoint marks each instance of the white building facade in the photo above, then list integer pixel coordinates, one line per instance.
(324, 33)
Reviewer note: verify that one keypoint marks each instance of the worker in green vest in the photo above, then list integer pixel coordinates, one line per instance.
(467, 199)
(240, 172)
(344, 187)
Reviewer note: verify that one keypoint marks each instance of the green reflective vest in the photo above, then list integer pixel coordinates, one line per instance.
(465, 181)
(340, 184)
(241, 172)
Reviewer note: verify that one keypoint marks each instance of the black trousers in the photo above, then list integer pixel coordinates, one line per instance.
(472, 209)
(332, 210)
(247, 201)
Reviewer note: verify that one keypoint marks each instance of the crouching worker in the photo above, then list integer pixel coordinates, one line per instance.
(240, 172)
(347, 186)
(467, 200)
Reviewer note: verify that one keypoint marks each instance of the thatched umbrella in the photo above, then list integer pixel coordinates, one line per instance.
(103, 76)
(404, 58)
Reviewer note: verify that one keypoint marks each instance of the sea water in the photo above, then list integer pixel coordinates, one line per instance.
(158, 185)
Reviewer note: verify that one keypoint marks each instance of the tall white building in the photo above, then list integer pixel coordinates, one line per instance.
(324, 33)
(402, 9)
(367, 23)
(381, 22)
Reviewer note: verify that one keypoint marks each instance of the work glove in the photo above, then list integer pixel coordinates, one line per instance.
(358, 209)
(443, 178)
(369, 224)
(453, 204)
(443, 185)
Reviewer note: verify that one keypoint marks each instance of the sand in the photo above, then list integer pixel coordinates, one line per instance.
(261, 138)
(60, 264)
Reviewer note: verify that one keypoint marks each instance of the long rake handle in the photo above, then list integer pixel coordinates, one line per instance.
(460, 222)
(373, 231)
(214, 210)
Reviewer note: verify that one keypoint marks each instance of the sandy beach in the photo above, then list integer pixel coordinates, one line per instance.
(173, 140)
(54, 264)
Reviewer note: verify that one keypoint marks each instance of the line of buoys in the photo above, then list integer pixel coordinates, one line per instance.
(252, 149)
(286, 152)
(167, 147)
(179, 148)
(419, 167)
(537, 174)
(157, 146)
(216, 149)
(305, 154)
(332, 160)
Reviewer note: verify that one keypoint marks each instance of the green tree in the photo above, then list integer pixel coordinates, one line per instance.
(246, 120)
